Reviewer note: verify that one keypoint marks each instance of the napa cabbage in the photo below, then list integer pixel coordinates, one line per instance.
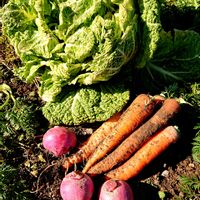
(70, 42)
(84, 54)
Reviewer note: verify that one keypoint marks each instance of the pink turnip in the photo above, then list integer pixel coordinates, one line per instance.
(76, 186)
(115, 190)
(59, 140)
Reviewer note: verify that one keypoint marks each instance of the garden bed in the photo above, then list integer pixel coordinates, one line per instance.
(28, 171)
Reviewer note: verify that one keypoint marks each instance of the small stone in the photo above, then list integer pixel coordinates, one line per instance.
(165, 173)
(191, 165)
(181, 194)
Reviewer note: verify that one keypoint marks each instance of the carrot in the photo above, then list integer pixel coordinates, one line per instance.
(132, 143)
(147, 153)
(138, 111)
(93, 141)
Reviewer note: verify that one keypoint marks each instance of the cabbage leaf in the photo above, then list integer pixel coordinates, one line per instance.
(178, 55)
(70, 42)
(89, 104)
(150, 29)
(73, 49)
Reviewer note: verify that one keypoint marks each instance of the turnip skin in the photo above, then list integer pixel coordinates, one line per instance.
(59, 140)
(76, 186)
(115, 190)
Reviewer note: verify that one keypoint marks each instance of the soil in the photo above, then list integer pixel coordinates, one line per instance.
(159, 180)
(161, 177)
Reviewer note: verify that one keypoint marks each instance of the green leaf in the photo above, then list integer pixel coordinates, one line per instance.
(86, 104)
(190, 186)
(196, 144)
(181, 4)
(69, 40)
(178, 55)
(150, 31)
(11, 185)
(17, 11)
(4, 88)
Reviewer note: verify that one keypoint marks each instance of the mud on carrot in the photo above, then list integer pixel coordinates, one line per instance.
(139, 110)
(93, 141)
(147, 153)
(137, 138)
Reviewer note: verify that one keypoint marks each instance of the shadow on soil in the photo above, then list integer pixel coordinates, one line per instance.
(144, 191)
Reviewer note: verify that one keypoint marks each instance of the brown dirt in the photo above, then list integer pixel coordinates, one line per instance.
(161, 177)
(163, 174)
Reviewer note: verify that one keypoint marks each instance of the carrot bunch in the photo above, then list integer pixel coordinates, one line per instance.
(123, 145)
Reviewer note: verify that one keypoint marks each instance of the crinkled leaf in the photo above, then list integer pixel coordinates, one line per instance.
(178, 54)
(74, 42)
(86, 104)
(150, 30)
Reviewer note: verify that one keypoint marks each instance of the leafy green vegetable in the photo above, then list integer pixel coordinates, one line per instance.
(69, 40)
(87, 104)
(170, 50)
(18, 125)
(11, 187)
(16, 115)
(7, 91)
(180, 44)
(22, 117)
(150, 31)
(190, 186)
(178, 55)
(196, 144)
(70, 44)
(75, 49)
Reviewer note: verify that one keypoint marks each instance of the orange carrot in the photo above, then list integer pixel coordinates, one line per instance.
(93, 141)
(147, 153)
(139, 110)
(132, 143)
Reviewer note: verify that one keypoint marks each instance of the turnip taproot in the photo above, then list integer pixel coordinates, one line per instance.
(76, 186)
(59, 140)
(115, 190)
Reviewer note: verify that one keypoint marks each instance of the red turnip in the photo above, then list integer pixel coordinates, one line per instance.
(59, 140)
(115, 190)
(76, 186)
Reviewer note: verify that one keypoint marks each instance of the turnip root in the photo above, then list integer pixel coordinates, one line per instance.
(59, 140)
(115, 190)
(76, 186)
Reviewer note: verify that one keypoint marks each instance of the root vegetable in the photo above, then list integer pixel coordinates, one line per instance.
(115, 190)
(94, 140)
(59, 140)
(140, 109)
(148, 152)
(76, 186)
(132, 143)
